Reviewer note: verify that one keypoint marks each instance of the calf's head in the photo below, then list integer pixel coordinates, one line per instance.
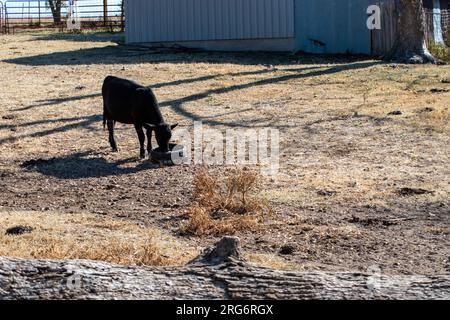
(163, 134)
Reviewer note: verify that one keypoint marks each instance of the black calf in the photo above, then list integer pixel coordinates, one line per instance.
(126, 101)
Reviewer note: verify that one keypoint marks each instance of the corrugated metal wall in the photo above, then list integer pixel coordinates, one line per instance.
(332, 26)
(318, 26)
(194, 20)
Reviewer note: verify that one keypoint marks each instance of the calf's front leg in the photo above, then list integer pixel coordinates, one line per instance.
(149, 141)
(141, 135)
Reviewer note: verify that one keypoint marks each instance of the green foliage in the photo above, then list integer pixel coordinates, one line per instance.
(440, 51)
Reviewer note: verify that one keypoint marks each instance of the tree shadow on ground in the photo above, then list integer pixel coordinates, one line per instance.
(56, 101)
(75, 123)
(177, 105)
(83, 165)
(297, 73)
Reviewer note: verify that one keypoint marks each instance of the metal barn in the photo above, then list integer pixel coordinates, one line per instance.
(316, 26)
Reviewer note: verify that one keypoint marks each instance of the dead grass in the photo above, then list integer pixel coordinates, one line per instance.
(85, 236)
(268, 261)
(335, 135)
(332, 232)
(226, 206)
(438, 230)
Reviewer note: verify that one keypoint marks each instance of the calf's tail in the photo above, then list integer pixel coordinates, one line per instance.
(104, 116)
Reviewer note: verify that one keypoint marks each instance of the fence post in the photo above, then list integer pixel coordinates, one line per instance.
(122, 16)
(105, 12)
(6, 18)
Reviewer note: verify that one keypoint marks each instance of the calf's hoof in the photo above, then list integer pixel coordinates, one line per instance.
(115, 150)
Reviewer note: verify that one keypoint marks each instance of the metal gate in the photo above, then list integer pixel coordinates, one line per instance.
(35, 14)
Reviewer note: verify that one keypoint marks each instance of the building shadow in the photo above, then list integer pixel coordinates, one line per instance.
(99, 36)
(125, 54)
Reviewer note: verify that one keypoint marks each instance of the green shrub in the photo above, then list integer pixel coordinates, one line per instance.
(447, 41)
(440, 51)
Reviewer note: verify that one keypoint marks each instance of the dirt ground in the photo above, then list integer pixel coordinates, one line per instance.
(365, 169)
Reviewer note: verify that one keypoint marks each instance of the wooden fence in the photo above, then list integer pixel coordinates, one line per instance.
(429, 29)
(383, 39)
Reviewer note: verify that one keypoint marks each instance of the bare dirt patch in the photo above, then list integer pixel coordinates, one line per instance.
(345, 155)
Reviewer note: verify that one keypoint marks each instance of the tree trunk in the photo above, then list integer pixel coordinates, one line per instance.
(217, 274)
(55, 7)
(410, 45)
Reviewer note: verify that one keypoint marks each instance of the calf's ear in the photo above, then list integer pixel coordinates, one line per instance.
(140, 93)
(140, 90)
(173, 126)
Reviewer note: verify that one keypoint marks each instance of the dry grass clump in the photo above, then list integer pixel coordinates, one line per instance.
(336, 232)
(83, 236)
(202, 223)
(226, 206)
(233, 194)
(438, 230)
(322, 234)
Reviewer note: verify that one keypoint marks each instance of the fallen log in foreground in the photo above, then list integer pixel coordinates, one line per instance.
(217, 274)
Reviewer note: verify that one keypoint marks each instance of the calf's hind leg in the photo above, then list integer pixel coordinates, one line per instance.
(141, 135)
(112, 140)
